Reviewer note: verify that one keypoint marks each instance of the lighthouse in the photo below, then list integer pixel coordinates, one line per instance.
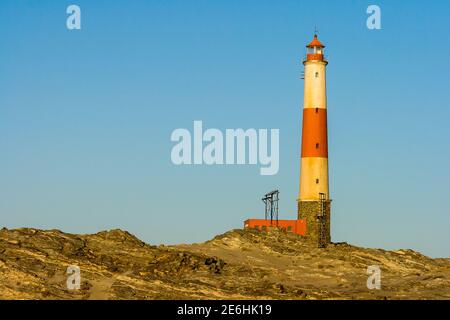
(314, 202)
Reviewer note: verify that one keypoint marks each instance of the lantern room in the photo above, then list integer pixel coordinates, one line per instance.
(315, 50)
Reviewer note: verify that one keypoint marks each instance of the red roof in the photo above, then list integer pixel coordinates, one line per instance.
(315, 43)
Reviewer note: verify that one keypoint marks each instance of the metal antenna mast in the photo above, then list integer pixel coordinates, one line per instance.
(271, 202)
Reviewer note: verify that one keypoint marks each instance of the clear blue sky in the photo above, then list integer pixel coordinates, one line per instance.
(86, 116)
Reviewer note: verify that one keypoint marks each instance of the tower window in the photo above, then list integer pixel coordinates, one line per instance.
(317, 145)
(317, 74)
(317, 110)
(317, 181)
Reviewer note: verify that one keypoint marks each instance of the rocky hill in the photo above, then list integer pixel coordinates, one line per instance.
(240, 264)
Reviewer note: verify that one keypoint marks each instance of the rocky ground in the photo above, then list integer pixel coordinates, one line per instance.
(240, 264)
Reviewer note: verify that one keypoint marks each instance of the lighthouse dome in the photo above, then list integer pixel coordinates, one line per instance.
(315, 43)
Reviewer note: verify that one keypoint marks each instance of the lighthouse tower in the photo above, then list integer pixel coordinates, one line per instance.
(314, 198)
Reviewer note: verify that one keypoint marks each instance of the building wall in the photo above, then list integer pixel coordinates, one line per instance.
(308, 211)
(295, 226)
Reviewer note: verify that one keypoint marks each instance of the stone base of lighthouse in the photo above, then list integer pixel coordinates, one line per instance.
(317, 225)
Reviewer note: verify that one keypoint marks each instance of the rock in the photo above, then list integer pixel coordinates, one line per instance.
(239, 264)
(14, 242)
